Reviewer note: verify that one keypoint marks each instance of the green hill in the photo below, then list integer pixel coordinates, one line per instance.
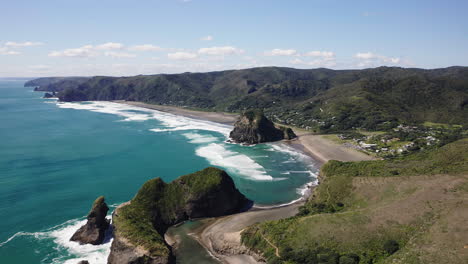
(407, 210)
(320, 99)
(140, 224)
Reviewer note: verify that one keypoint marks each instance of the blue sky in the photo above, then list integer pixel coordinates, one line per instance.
(128, 37)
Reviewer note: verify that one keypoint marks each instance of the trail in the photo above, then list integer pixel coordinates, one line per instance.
(271, 244)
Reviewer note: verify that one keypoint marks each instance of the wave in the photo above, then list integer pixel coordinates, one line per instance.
(21, 233)
(196, 138)
(69, 252)
(241, 164)
(95, 254)
(170, 122)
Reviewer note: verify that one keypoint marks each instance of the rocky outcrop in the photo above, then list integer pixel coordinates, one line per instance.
(288, 133)
(83, 262)
(49, 95)
(139, 225)
(124, 252)
(93, 232)
(253, 127)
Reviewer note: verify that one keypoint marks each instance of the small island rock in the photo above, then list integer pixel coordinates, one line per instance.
(94, 230)
(253, 127)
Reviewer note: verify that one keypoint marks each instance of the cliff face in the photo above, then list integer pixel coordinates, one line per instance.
(94, 230)
(139, 225)
(253, 127)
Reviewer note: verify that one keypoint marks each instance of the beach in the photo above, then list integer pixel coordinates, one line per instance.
(221, 236)
(315, 145)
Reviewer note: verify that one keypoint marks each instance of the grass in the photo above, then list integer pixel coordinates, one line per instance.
(157, 205)
(362, 206)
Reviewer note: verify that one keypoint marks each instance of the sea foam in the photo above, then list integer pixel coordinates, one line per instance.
(95, 254)
(235, 162)
(169, 122)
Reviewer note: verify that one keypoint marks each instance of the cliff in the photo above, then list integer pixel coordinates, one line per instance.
(140, 224)
(93, 231)
(253, 127)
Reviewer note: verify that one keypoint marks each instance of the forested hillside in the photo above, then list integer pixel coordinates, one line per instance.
(321, 99)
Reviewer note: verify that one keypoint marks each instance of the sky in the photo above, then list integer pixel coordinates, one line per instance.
(131, 37)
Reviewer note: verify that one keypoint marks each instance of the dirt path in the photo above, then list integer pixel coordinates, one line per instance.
(271, 244)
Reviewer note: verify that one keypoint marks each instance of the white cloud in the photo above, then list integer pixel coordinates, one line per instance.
(366, 55)
(280, 52)
(182, 55)
(217, 51)
(323, 62)
(323, 54)
(145, 47)
(372, 59)
(110, 46)
(6, 51)
(82, 52)
(207, 38)
(119, 55)
(22, 44)
(90, 51)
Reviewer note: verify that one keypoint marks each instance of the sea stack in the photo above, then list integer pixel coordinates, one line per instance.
(94, 230)
(253, 127)
(140, 224)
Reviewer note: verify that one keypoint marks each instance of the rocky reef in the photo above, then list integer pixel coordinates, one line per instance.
(253, 127)
(140, 224)
(94, 230)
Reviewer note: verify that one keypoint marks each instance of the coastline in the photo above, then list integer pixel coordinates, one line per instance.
(319, 148)
(221, 236)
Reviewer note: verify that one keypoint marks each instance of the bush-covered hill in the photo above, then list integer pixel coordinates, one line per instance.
(407, 210)
(55, 84)
(319, 98)
(139, 225)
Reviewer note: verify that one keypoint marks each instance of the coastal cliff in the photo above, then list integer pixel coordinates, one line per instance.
(140, 224)
(93, 231)
(253, 127)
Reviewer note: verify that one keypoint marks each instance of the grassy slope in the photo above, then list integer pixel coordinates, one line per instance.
(419, 202)
(342, 99)
(135, 220)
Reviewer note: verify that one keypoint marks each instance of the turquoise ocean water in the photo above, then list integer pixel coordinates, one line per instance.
(55, 159)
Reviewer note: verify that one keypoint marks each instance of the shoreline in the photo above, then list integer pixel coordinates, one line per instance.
(221, 236)
(317, 147)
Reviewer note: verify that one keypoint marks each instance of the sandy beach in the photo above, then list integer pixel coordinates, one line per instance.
(221, 236)
(318, 147)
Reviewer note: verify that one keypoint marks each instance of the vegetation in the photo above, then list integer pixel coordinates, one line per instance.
(380, 211)
(319, 99)
(158, 205)
(55, 84)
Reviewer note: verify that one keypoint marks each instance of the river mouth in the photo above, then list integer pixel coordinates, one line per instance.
(185, 247)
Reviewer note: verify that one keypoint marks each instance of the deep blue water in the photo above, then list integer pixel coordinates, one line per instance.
(55, 159)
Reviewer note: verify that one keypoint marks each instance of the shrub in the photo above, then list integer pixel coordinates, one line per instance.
(391, 246)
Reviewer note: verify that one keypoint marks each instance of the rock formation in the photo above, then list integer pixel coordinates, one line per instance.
(48, 95)
(253, 127)
(94, 230)
(140, 224)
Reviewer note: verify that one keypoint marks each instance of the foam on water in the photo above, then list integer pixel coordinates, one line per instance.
(218, 155)
(196, 138)
(170, 122)
(61, 234)
(95, 254)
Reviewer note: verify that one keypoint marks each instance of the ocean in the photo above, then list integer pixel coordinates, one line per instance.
(56, 158)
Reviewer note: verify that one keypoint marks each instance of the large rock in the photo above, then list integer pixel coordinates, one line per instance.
(93, 232)
(253, 127)
(140, 224)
